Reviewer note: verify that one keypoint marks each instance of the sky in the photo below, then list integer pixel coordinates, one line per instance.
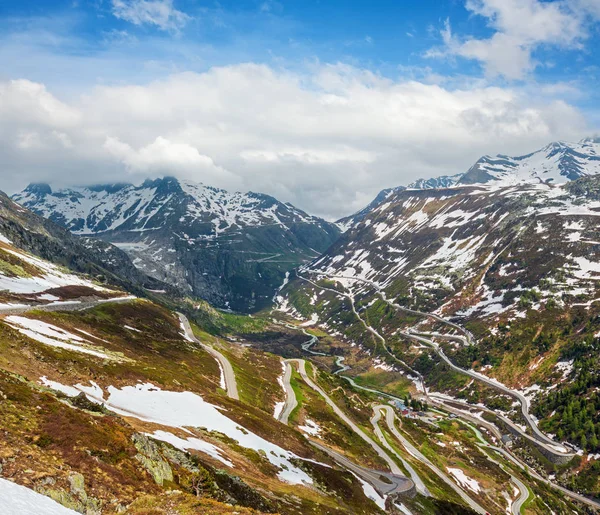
(321, 103)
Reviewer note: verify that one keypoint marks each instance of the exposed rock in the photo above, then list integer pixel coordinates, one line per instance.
(151, 458)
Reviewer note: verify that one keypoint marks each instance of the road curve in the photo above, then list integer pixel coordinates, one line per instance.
(523, 495)
(224, 364)
(390, 421)
(548, 443)
(421, 488)
(290, 396)
(394, 468)
(393, 485)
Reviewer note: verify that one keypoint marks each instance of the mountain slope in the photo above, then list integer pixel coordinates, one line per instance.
(33, 234)
(557, 162)
(232, 249)
(438, 243)
(518, 266)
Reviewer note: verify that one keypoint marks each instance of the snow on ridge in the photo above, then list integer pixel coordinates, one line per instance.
(91, 210)
(50, 277)
(183, 410)
(53, 336)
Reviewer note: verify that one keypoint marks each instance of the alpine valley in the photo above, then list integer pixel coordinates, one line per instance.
(172, 348)
(232, 249)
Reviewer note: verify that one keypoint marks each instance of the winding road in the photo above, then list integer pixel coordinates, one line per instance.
(395, 469)
(549, 444)
(392, 485)
(421, 488)
(469, 338)
(396, 482)
(542, 439)
(290, 396)
(226, 369)
(390, 417)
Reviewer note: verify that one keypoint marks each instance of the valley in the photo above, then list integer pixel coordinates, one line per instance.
(428, 355)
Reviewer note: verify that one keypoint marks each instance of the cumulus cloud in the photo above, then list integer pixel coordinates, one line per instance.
(164, 156)
(327, 139)
(160, 13)
(520, 27)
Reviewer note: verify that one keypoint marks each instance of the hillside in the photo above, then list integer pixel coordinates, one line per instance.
(114, 404)
(108, 404)
(516, 266)
(232, 249)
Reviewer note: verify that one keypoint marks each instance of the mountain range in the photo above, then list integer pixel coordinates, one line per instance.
(232, 249)
(435, 353)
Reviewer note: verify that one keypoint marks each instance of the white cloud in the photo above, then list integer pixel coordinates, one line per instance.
(327, 139)
(164, 156)
(520, 27)
(161, 13)
(25, 101)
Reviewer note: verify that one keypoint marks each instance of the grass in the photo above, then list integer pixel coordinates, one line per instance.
(296, 383)
(389, 382)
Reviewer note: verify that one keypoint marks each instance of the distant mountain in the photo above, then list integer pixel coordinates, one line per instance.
(557, 162)
(34, 234)
(349, 221)
(232, 249)
(444, 181)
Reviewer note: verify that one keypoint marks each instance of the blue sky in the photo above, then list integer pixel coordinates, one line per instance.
(308, 93)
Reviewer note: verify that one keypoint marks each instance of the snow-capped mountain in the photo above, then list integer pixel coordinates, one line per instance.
(557, 162)
(230, 248)
(473, 249)
(443, 181)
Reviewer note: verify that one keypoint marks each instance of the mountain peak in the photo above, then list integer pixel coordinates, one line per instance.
(218, 245)
(39, 189)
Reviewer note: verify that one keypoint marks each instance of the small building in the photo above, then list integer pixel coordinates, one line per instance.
(507, 440)
(399, 405)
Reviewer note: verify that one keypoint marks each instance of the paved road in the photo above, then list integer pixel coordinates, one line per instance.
(435, 398)
(224, 364)
(549, 444)
(395, 469)
(290, 396)
(510, 457)
(421, 488)
(523, 495)
(368, 327)
(394, 484)
(390, 421)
